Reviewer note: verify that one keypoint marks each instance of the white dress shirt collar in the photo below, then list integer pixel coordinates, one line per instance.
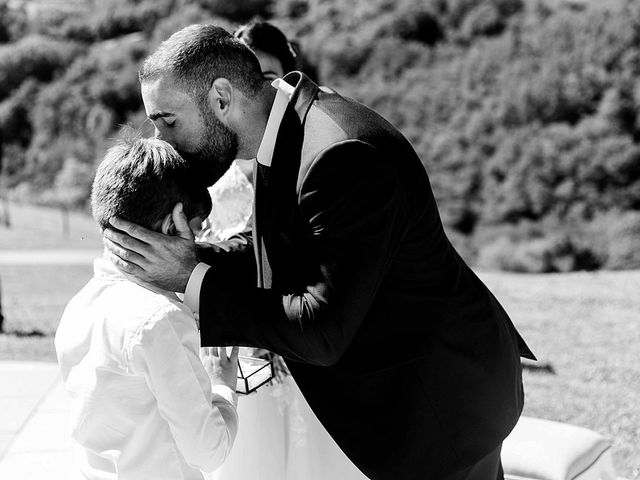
(105, 270)
(267, 146)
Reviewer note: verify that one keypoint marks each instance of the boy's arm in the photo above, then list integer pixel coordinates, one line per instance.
(203, 424)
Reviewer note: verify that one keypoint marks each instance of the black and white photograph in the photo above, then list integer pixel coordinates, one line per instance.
(320, 239)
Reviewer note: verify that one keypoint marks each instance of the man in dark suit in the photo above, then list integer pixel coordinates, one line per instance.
(403, 354)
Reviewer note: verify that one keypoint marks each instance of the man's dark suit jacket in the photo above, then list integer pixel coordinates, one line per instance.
(401, 351)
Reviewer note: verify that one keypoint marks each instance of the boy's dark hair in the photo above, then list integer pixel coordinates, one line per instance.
(269, 39)
(141, 180)
(198, 54)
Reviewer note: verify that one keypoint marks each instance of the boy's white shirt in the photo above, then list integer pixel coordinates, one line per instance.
(284, 91)
(142, 404)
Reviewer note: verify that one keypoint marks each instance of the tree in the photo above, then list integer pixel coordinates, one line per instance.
(238, 10)
(13, 21)
(33, 57)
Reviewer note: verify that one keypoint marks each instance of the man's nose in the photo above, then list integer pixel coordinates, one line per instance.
(164, 136)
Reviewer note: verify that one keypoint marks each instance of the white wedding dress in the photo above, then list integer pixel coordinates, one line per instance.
(279, 436)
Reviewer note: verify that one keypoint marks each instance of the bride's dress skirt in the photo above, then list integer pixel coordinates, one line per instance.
(280, 438)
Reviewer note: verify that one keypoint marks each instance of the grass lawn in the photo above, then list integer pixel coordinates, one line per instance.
(586, 326)
(42, 228)
(33, 299)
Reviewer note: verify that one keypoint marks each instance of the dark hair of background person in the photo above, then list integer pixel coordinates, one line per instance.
(141, 180)
(269, 39)
(198, 54)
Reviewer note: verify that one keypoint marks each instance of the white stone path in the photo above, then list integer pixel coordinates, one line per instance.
(34, 439)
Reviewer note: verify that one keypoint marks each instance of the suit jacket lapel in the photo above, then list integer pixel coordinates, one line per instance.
(260, 182)
(304, 93)
(275, 186)
(275, 191)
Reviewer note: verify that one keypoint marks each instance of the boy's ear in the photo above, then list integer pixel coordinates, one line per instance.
(168, 228)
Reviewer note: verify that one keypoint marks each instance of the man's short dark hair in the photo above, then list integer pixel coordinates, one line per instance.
(198, 54)
(141, 180)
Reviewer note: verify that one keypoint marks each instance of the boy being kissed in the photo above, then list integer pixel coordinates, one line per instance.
(142, 401)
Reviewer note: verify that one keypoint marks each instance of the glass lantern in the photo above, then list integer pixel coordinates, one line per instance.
(253, 372)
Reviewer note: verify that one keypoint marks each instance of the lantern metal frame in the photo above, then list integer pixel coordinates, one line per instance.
(253, 372)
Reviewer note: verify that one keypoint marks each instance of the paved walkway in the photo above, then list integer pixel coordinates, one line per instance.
(34, 440)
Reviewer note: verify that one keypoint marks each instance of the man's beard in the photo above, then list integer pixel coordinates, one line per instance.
(213, 156)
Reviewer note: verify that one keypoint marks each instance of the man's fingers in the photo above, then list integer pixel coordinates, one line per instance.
(135, 231)
(128, 256)
(128, 268)
(182, 223)
(125, 241)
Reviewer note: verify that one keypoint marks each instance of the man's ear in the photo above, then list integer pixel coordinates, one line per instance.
(168, 227)
(220, 98)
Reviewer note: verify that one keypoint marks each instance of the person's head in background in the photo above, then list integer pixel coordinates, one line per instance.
(271, 47)
(141, 180)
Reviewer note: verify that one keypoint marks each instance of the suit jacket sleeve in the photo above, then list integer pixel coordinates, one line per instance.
(234, 255)
(349, 200)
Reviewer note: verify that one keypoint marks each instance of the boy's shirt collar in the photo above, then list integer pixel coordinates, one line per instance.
(105, 270)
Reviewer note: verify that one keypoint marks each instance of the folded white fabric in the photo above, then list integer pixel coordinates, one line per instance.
(545, 450)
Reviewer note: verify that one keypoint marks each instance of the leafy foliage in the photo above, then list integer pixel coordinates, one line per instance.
(34, 57)
(13, 22)
(107, 20)
(237, 11)
(525, 116)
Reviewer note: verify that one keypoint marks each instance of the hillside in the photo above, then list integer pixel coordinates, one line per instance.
(523, 112)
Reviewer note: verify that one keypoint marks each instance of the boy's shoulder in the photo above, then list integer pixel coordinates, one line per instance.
(110, 314)
(125, 305)
(142, 304)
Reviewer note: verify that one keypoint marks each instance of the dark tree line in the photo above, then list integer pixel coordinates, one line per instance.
(525, 116)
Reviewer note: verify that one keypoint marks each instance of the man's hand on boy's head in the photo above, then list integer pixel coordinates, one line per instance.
(152, 257)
